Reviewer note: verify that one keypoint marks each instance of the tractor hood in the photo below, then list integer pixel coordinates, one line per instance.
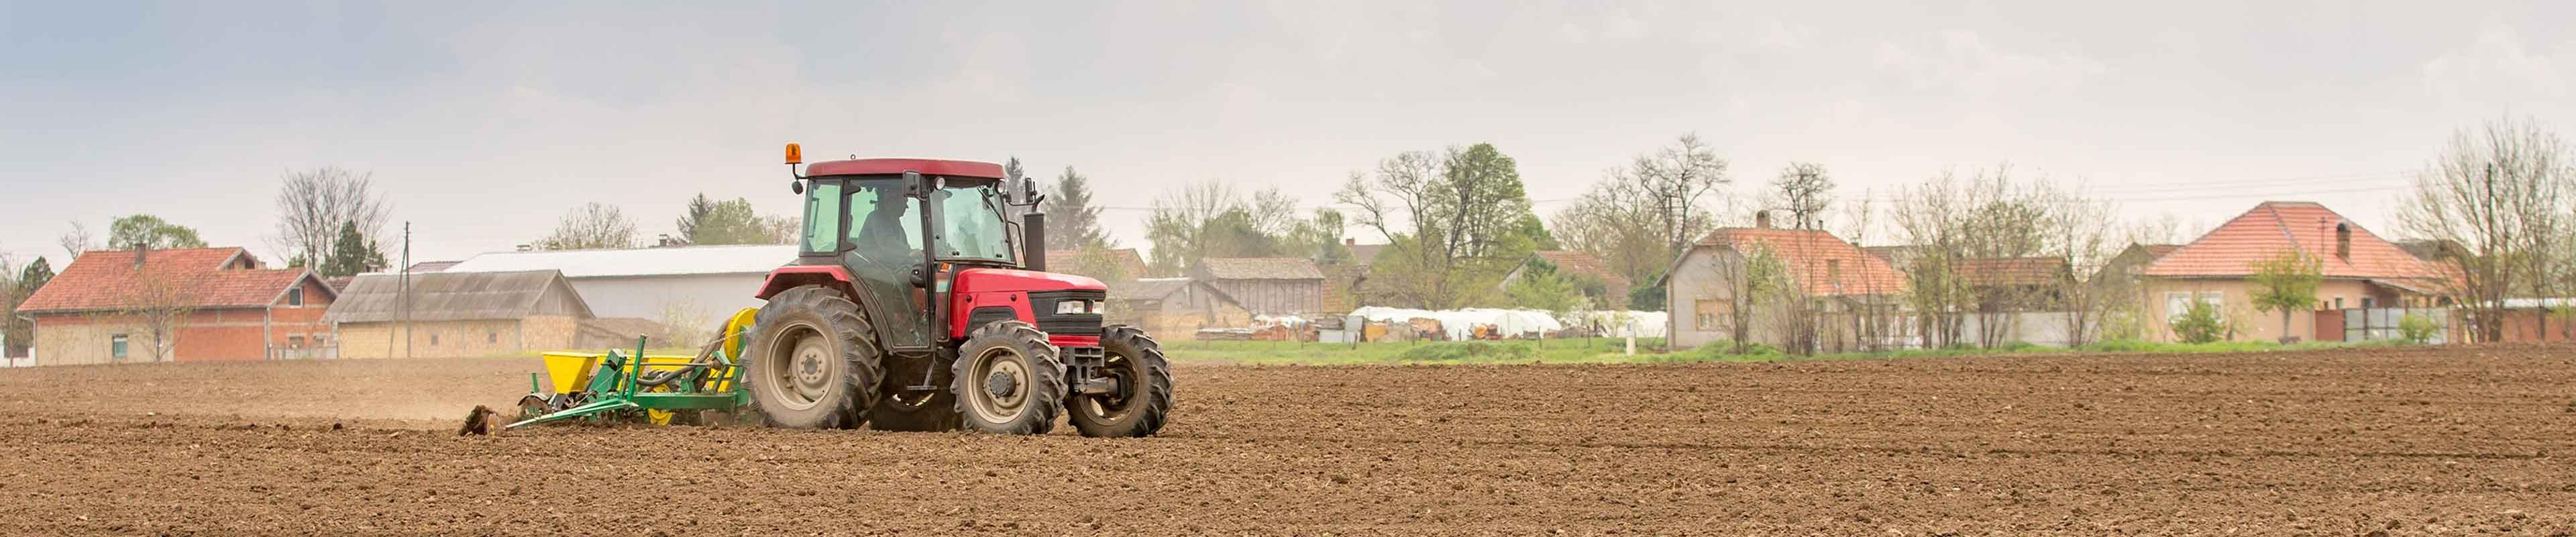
(988, 280)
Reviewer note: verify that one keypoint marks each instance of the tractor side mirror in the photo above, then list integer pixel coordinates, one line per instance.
(797, 187)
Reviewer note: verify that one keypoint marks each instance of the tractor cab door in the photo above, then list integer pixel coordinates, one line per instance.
(875, 231)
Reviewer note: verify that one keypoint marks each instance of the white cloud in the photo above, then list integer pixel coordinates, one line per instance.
(2496, 67)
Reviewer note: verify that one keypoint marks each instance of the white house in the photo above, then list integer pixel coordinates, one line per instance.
(683, 284)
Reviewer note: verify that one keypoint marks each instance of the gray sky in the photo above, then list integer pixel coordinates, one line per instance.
(486, 122)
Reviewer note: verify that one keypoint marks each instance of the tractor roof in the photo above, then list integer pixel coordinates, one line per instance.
(892, 166)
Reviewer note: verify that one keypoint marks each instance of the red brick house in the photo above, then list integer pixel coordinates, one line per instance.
(203, 304)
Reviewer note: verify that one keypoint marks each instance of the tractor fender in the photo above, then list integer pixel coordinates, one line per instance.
(792, 276)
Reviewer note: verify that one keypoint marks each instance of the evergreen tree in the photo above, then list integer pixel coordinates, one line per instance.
(1072, 222)
(352, 253)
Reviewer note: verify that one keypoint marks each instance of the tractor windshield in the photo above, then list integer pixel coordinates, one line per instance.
(973, 218)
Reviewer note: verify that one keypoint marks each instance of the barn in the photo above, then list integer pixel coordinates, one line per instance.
(1267, 285)
(1173, 307)
(180, 304)
(458, 314)
(688, 285)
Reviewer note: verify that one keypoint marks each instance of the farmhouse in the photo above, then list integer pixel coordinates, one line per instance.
(690, 285)
(186, 304)
(1267, 285)
(2362, 271)
(1850, 294)
(457, 314)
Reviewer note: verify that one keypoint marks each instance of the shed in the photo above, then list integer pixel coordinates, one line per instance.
(1170, 307)
(457, 314)
(1267, 285)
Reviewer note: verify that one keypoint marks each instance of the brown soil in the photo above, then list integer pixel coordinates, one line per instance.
(2405, 441)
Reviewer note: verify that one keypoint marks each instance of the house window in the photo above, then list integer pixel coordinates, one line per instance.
(295, 297)
(295, 341)
(1834, 270)
(2366, 303)
(1704, 314)
(2175, 303)
(491, 337)
(2338, 303)
(433, 340)
(116, 346)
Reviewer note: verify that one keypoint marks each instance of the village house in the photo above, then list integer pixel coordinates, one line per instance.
(1849, 295)
(2362, 272)
(1267, 285)
(181, 304)
(461, 314)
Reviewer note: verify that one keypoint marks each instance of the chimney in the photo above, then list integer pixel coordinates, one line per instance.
(1348, 241)
(142, 250)
(2343, 242)
(1762, 219)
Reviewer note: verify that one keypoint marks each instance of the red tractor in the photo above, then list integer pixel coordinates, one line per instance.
(909, 309)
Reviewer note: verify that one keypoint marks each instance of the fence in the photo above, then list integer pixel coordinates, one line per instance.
(2370, 324)
(306, 352)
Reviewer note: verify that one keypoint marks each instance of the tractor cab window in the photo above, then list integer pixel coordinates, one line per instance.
(972, 217)
(883, 224)
(823, 217)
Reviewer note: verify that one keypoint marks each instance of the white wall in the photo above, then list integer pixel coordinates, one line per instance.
(711, 296)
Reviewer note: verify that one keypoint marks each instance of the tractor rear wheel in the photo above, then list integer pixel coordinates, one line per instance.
(1144, 394)
(1008, 380)
(900, 408)
(811, 364)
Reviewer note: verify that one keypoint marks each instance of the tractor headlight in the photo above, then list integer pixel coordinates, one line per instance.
(1099, 307)
(1071, 307)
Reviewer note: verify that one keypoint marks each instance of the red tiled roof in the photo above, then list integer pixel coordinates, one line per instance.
(1585, 264)
(2280, 226)
(107, 280)
(2159, 251)
(2012, 271)
(1814, 250)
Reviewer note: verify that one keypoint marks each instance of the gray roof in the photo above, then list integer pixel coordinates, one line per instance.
(1163, 289)
(686, 260)
(457, 296)
(1260, 268)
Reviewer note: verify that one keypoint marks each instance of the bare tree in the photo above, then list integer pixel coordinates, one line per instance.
(2501, 193)
(313, 205)
(1804, 190)
(78, 240)
(591, 226)
(1962, 231)
(2078, 238)
(155, 307)
(1674, 179)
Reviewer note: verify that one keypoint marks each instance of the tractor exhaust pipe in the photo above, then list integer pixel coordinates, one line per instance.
(1033, 229)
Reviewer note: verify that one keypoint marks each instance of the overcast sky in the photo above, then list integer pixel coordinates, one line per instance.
(485, 122)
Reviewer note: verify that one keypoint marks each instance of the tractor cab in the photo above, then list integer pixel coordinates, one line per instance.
(915, 303)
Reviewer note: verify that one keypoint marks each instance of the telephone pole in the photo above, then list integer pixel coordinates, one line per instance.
(404, 314)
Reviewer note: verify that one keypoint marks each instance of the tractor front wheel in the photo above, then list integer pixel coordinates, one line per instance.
(1144, 394)
(811, 364)
(1007, 380)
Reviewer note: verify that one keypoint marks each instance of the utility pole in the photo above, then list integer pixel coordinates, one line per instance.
(405, 298)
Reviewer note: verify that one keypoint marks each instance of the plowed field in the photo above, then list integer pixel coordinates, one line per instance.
(2349, 442)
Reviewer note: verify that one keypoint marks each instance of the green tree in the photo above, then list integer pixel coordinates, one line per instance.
(353, 253)
(147, 231)
(1542, 287)
(2200, 322)
(1460, 219)
(1647, 296)
(710, 222)
(2286, 283)
(1071, 220)
(14, 290)
(1210, 219)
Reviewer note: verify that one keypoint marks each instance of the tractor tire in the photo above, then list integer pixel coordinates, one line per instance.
(900, 409)
(812, 363)
(1007, 380)
(1144, 395)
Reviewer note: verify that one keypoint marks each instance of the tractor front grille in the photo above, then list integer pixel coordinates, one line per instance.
(1043, 304)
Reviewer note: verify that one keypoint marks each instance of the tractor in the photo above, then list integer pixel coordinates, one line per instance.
(909, 308)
